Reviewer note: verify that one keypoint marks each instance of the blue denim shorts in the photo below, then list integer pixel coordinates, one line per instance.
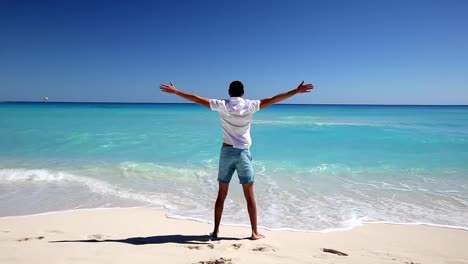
(233, 159)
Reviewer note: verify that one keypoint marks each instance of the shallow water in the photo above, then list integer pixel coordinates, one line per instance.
(317, 167)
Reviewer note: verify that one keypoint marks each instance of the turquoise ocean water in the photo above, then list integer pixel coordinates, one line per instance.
(317, 167)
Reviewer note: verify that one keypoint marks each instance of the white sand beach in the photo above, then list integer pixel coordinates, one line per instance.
(144, 235)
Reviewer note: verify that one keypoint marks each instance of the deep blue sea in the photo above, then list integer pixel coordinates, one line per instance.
(317, 167)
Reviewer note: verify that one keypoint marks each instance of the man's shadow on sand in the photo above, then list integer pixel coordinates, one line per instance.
(179, 239)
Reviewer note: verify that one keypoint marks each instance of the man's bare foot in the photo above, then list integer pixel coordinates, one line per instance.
(214, 235)
(256, 236)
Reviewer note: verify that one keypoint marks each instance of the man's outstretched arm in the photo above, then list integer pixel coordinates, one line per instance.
(171, 89)
(302, 88)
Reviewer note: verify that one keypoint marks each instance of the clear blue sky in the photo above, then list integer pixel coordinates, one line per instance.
(374, 52)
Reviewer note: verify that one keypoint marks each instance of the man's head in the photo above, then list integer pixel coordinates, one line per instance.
(236, 89)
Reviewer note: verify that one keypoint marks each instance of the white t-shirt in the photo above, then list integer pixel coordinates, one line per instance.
(236, 116)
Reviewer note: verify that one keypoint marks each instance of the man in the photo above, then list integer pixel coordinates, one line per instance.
(236, 116)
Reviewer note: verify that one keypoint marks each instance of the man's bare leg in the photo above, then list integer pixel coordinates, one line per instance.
(219, 206)
(252, 208)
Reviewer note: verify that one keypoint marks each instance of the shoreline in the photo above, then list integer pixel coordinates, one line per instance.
(146, 235)
(136, 199)
(164, 211)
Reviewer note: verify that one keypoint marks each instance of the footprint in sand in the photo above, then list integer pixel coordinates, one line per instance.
(235, 247)
(194, 247)
(216, 261)
(30, 238)
(264, 249)
(210, 246)
(96, 236)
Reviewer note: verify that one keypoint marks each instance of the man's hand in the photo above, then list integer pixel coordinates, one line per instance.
(171, 89)
(304, 88)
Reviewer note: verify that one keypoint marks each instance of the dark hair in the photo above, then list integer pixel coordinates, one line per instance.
(236, 89)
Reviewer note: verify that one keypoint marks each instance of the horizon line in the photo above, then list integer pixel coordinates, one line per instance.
(330, 104)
